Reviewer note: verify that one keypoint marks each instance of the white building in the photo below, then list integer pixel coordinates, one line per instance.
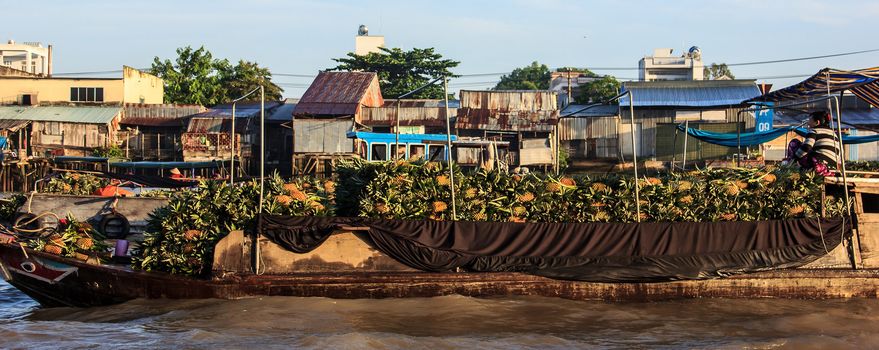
(30, 57)
(664, 65)
(365, 43)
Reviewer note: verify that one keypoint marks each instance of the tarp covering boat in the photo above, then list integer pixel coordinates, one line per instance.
(597, 252)
(864, 83)
(760, 137)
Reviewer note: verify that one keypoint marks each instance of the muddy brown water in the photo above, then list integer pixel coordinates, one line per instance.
(441, 323)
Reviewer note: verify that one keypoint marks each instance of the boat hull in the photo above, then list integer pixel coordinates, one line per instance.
(54, 281)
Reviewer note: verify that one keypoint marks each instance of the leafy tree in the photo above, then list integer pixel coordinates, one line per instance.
(533, 77)
(599, 90)
(401, 71)
(196, 77)
(717, 71)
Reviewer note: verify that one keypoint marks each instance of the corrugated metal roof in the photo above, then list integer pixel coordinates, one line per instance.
(88, 115)
(163, 115)
(690, 93)
(242, 110)
(418, 112)
(340, 93)
(508, 110)
(216, 125)
(576, 111)
(284, 112)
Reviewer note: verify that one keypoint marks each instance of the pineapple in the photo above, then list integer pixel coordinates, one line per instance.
(567, 181)
(442, 180)
(381, 208)
(526, 197)
(330, 186)
(684, 185)
(553, 187)
(299, 195)
(470, 193)
(686, 200)
(53, 249)
(654, 181)
(732, 189)
(769, 178)
(729, 216)
(56, 239)
(599, 187)
(80, 256)
(290, 187)
(516, 219)
(189, 248)
(602, 215)
(795, 210)
(190, 235)
(742, 184)
(317, 206)
(519, 210)
(85, 243)
(439, 206)
(480, 216)
(284, 200)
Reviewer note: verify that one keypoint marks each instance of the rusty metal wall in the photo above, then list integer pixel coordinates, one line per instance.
(508, 110)
(411, 114)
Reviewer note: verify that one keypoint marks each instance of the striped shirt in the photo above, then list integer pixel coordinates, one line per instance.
(822, 144)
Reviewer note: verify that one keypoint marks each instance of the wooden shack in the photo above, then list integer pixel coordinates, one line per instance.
(330, 108)
(153, 132)
(63, 130)
(525, 118)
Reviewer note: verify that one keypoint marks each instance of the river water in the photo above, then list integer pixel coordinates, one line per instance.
(441, 323)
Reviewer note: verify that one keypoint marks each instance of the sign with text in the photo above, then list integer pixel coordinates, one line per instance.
(764, 117)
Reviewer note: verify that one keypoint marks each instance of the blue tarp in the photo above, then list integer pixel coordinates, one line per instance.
(756, 138)
(732, 139)
(2, 142)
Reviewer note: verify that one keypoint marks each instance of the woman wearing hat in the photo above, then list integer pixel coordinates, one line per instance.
(175, 174)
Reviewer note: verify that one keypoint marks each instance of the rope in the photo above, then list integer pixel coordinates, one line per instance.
(821, 231)
(18, 228)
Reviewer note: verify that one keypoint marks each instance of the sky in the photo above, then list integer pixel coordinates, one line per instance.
(487, 37)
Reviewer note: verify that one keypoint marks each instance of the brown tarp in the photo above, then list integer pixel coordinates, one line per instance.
(600, 252)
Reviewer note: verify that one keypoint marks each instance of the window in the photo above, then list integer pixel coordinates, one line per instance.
(379, 151)
(416, 151)
(436, 153)
(86, 94)
(401, 151)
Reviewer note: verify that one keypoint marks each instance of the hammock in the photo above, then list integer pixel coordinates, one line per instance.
(757, 138)
(597, 252)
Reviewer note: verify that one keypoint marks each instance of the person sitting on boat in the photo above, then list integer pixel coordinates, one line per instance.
(175, 174)
(819, 149)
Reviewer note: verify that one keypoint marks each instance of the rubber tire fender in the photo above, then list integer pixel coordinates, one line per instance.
(106, 219)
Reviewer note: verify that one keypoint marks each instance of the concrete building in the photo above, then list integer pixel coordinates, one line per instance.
(29, 57)
(365, 43)
(133, 87)
(664, 65)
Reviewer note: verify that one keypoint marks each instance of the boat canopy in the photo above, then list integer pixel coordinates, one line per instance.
(864, 83)
(168, 165)
(760, 137)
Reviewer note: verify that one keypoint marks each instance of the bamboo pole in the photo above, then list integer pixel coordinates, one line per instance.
(449, 146)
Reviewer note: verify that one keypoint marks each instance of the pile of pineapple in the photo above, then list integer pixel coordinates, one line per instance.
(418, 191)
(181, 236)
(73, 239)
(75, 184)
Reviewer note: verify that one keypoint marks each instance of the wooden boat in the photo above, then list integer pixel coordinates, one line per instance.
(345, 265)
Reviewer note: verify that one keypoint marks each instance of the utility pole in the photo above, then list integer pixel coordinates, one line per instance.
(570, 98)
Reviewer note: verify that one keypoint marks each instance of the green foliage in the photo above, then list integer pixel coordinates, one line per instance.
(9, 206)
(416, 191)
(180, 237)
(716, 71)
(872, 166)
(401, 71)
(75, 184)
(599, 90)
(109, 152)
(533, 77)
(196, 77)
